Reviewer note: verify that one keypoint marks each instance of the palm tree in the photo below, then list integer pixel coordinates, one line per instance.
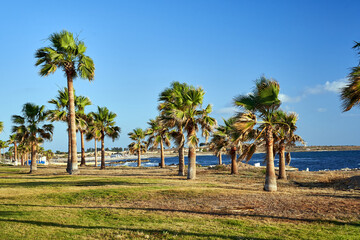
(158, 134)
(49, 155)
(93, 133)
(226, 137)
(67, 53)
(285, 135)
(1, 126)
(3, 144)
(82, 122)
(13, 140)
(185, 109)
(171, 98)
(30, 127)
(261, 103)
(105, 123)
(139, 145)
(350, 94)
(60, 113)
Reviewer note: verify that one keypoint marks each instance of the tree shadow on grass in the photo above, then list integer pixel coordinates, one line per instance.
(89, 183)
(135, 230)
(357, 224)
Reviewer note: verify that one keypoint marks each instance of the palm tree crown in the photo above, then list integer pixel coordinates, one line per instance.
(67, 53)
(350, 94)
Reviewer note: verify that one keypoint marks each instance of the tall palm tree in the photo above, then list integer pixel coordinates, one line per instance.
(30, 126)
(105, 123)
(262, 103)
(67, 53)
(158, 134)
(14, 140)
(187, 110)
(82, 122)
(139, 145)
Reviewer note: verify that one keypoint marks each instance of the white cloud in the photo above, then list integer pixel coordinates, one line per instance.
(286, 99)
(226, 110)
(334, 87)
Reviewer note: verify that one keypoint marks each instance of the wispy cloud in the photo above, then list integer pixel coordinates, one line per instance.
(334, 87)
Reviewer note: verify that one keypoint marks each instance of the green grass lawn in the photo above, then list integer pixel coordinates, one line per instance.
(157, 204)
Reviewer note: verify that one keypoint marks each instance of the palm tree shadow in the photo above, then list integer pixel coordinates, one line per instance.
(200, 213)
(136, 230)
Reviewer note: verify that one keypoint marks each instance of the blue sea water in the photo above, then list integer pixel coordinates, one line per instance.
(315, 161)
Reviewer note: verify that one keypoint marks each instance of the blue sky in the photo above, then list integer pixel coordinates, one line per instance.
(140, 47)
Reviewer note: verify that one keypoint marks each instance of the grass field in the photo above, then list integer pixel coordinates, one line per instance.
(153, 203)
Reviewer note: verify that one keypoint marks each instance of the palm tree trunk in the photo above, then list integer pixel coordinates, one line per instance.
(33, 166)
(162, 164)
(234, 165)
(74, 164)
(192, 158)
(220, 158)
(139, 157)
(82, 149)
(15, 153)
(69, 149)
(95, 154)
(270, 178)
(22, 159)
(282, 170)
(181, 161)
(102, 151)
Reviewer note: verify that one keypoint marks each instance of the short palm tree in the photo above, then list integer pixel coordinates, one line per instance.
(67, 53)
(261, 103)
(284, 134)
(3, 144)
(49, 155)
(105, 123)
(139, 145)
(226, 137)
(82, 122)
(30, 127)
(93, 133)
(14, 140)
(158, 134)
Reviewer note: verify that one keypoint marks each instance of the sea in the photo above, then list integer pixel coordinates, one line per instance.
(310, 161)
